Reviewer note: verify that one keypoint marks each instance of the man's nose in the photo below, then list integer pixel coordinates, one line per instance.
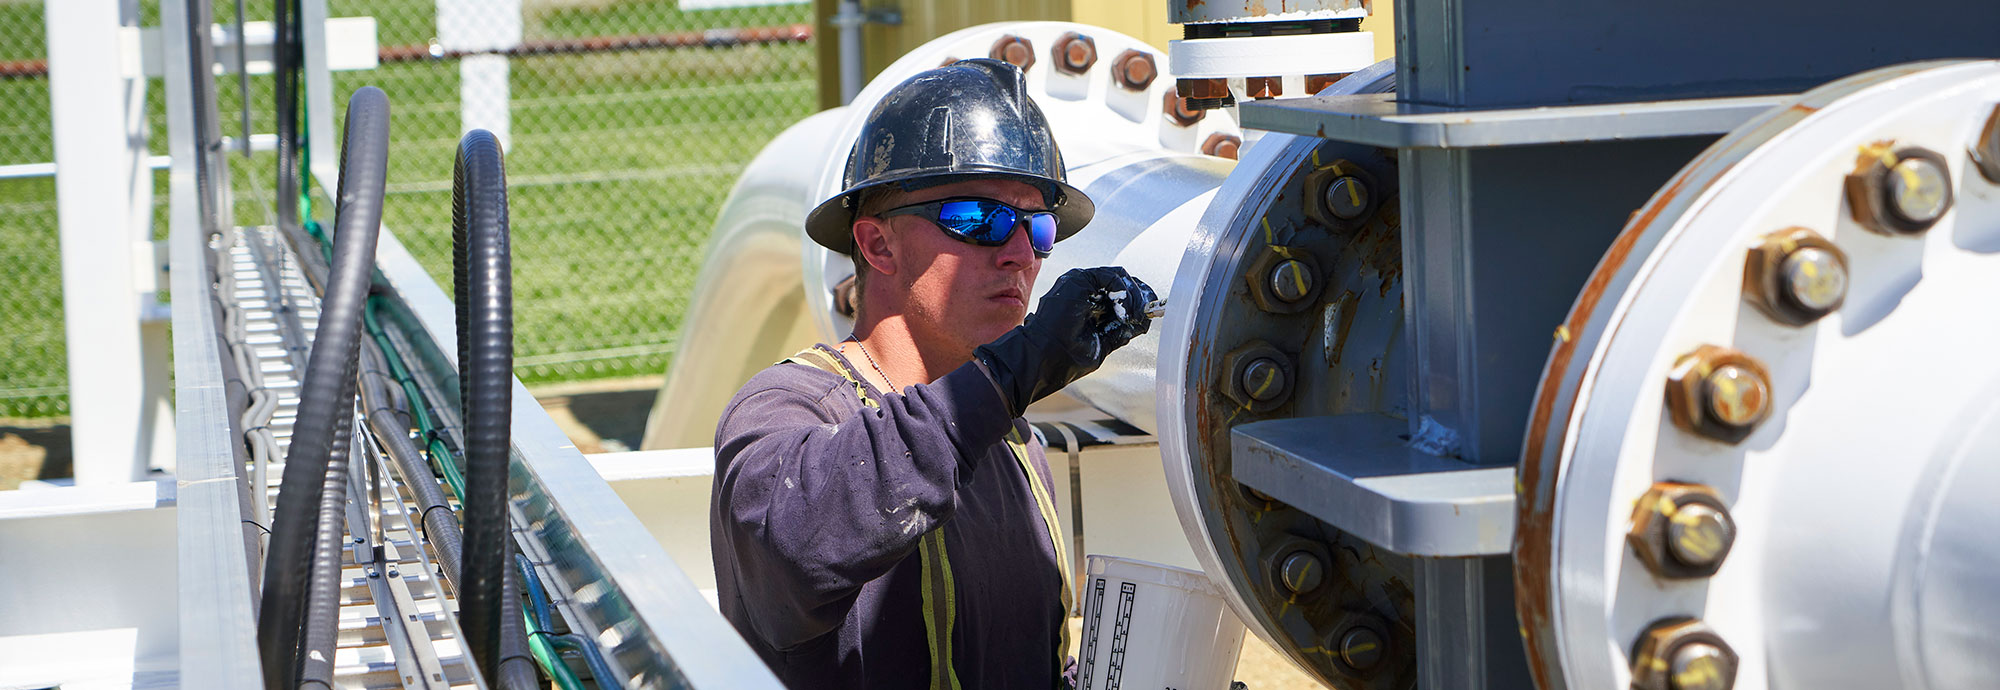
(1019, 251)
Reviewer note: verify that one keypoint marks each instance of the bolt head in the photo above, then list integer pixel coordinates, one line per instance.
(1918, 189)
(1264, 380)
(1014, 50)
(1795, 276)
(1699, 535)
(1903, 192)
(1222, 145)
(1815, 278)
(1177, 110)
(1291, 280)
(1347, 197)
(1719, 393)
(1736, 396)
(1681, 531)
(1134, 70)
(1361, 648)
(1683, 654)
(1699, 666)
(1256, 377)
(1302, 572)
(1074, 53)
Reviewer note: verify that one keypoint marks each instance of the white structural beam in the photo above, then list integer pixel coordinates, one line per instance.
(118, 409)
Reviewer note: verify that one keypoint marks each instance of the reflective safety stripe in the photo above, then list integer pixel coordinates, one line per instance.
(940, 592)
(1045, 501)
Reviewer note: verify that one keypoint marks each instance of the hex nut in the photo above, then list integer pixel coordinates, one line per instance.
(1660, 650)
(1882, 179)
(1261, 88)
(1074, 53)
(1321, 180)
(1769, 286)
(1289, 562)
(1652, 533)
(1202, 88)
(1237, 363)
(1014, 50)
(1361, 646)
(1316, 83)
(1222, 145)
(1719, 393)
(1986, 149)
(1178, 112)
(1134, 70)
(1267, 263)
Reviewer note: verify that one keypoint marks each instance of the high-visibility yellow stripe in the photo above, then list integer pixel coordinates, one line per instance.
(933, 560)
(1046, 503)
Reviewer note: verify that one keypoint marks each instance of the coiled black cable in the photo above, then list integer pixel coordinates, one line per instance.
(315, 465)
(481, 284)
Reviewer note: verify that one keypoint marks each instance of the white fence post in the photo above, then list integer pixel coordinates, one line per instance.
(480, 26)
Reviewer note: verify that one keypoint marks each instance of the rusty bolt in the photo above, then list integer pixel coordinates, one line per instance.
(1270, 272)
(1361, 648)
(1719, 393)
(1257, 376)
(1986, 150)
(1074, 53)
(1178, 112)
(1316, 83)
(1202, 88)
(1903, 192)
(1291, 280)
(1263, 87)
(1134, 70)
(1795, 276)
(1681, 531)
(1302, 572)
(1222, 145)
(1682, 654)
(1015, 50)
(1340, 195)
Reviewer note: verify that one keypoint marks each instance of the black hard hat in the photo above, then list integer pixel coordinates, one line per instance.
(968, 120)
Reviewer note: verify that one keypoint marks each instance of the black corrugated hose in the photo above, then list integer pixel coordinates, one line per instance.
(316, 459)
(489, 598)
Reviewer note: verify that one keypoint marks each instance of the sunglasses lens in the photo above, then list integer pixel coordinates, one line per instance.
(969, 219)
(1042, 232)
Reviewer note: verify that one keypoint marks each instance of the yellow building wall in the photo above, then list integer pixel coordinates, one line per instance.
(924, 20)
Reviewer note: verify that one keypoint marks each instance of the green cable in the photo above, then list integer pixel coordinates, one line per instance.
(546, 655)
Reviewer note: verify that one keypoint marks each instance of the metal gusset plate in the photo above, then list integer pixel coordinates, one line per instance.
(1762, 452)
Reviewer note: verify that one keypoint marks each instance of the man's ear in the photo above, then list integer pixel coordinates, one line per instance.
(871, 239)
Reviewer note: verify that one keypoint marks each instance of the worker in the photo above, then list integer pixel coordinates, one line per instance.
(881, 516)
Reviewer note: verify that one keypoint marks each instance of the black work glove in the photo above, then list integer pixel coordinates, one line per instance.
(1086, 315)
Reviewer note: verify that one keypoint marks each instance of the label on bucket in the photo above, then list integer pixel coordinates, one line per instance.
(1179, 636)
(1121, 633)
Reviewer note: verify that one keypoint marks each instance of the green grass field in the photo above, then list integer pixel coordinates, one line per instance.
(617, 165)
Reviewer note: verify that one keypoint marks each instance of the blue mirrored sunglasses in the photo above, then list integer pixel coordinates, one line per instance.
(984, 222)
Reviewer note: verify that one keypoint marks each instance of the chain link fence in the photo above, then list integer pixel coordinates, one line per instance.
(627, 122)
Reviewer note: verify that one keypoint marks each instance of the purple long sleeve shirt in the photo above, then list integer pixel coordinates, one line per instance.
(817, 510)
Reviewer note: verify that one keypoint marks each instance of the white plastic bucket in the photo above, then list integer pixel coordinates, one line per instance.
(1148, 626)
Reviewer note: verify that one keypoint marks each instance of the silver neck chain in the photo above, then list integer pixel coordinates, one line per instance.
(878, 367)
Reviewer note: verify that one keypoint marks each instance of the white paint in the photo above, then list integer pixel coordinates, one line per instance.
(104, 190)
(478, 26)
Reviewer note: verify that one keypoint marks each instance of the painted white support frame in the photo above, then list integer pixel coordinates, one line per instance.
(120, 418)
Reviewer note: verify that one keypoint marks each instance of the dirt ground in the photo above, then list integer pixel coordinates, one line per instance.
(33, 449)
